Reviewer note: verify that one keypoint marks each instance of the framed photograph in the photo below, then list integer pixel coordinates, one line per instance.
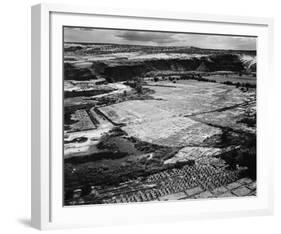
(148, 116)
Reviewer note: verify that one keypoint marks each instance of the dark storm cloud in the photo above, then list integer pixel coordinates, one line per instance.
(152, 37)
(158, 38)
(83, 29)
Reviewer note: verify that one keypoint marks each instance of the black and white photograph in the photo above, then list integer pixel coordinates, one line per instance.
(152, 116)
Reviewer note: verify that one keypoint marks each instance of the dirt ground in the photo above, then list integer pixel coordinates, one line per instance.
(182, 114)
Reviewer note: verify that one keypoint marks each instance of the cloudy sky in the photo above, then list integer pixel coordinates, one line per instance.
(158, 38)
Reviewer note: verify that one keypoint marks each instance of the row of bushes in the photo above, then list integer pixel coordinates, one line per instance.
(238, 84)
(198, 77)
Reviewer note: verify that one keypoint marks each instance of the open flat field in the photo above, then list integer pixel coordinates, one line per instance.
(193, 97)
(181, 114)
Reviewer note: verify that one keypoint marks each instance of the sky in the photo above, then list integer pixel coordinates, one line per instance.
(130, 37)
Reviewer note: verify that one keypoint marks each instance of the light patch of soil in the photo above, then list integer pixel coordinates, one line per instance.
(173, 131)
(193, 153)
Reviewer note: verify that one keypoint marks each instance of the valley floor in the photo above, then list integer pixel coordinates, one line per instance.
(173, 141)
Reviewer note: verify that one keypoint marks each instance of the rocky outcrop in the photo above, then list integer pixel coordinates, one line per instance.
(72, 72)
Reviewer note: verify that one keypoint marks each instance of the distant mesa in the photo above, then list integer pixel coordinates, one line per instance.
(92, 61)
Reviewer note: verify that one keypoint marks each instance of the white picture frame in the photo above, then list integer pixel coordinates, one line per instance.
(47, 207)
